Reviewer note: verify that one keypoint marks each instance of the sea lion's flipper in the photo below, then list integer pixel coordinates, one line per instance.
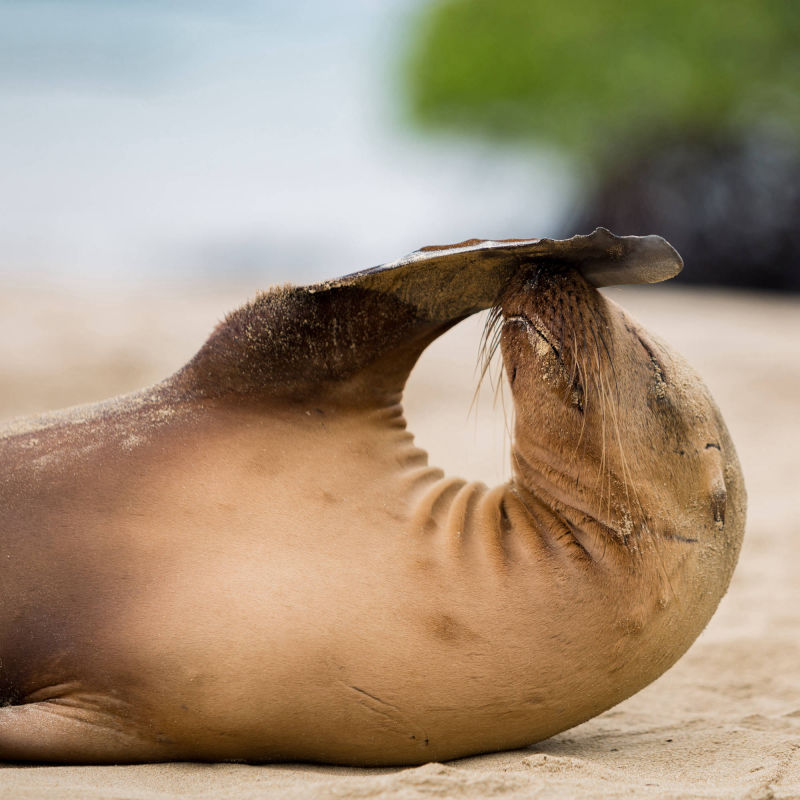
(446, 282)
(370, 327)
(63, 733)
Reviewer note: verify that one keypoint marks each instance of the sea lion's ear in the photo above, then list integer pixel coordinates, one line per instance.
(449, 282)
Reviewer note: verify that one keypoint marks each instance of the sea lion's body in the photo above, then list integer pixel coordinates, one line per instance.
(254, 561)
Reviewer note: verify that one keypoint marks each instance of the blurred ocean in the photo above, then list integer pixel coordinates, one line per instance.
(166, 140)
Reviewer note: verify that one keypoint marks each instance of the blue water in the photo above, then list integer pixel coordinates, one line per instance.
(160, 140)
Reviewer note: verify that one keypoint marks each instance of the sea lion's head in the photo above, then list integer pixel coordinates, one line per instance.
(612, 429)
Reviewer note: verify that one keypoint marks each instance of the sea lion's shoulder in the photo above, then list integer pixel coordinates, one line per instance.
(293, 340)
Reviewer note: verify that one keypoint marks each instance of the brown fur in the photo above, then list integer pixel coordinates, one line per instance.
(253, 560)
(292, 341)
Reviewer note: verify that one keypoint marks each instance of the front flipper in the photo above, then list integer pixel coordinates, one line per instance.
(363, 333)
(453, 281)
(61, 732)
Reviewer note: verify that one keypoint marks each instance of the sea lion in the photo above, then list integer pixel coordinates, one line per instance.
(253, 561)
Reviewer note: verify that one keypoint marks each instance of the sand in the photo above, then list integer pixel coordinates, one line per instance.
(723, 723)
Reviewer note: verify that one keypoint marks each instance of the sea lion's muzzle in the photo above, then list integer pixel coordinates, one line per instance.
(554, 330)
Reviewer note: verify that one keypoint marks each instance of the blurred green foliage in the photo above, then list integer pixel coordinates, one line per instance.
(598, 76)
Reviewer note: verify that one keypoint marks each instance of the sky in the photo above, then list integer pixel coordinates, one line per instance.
(178, 140)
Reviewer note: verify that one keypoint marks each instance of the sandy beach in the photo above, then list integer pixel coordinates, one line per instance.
(723, 723)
